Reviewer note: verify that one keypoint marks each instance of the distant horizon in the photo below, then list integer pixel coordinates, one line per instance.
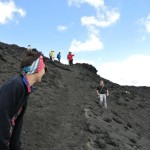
(111, 35)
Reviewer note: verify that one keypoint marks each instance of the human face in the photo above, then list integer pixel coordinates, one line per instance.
(101, 82)
(40, 74)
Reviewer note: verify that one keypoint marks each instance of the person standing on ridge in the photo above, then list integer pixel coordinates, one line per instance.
(14, 95)
(29, 48)
(52, 56)
(59, 56)
(102, 92)
(70, 58)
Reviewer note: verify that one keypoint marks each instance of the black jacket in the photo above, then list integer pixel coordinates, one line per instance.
(13, 96)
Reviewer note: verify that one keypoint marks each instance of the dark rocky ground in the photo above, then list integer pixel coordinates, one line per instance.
(63, 113)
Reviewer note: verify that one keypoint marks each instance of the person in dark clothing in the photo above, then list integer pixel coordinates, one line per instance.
(102, 92)
(59, 56)
(14, 95)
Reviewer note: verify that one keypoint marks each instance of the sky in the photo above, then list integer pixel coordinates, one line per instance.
(113, 36)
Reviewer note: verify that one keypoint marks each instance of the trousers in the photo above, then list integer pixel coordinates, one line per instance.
(102, 100)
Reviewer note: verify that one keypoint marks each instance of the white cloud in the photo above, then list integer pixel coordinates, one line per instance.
(132, 71)
(64, 61)
(95, 3)
(84, 61)
(93, 43)
(143, 38)
(105, 16)
(62, 28)
(8, 11)
(146, 23)
(105, 19)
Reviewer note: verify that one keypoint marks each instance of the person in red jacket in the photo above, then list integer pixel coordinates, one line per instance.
(70, 58)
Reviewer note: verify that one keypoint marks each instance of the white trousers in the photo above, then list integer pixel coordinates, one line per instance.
(102, 100)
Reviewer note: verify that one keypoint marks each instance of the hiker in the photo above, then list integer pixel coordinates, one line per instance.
(59, 56)
(70, 58)
(102, 92)
(29, 48)
(14, 95)
(52, 56)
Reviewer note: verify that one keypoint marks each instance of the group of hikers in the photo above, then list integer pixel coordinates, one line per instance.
(52, 56)
(69, 57)
(14, 95)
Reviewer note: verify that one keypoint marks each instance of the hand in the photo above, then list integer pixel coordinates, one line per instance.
(107, 94)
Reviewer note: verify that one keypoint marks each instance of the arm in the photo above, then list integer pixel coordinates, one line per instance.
(4, 130)
(97, 92)
(107, 93)
(5, 117)
(15, 139)
(8, 95)
(15, 142)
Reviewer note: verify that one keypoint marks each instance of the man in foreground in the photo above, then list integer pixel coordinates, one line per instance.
(13, 99)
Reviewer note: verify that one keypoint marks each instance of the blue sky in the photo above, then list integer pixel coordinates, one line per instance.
(113, 36)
